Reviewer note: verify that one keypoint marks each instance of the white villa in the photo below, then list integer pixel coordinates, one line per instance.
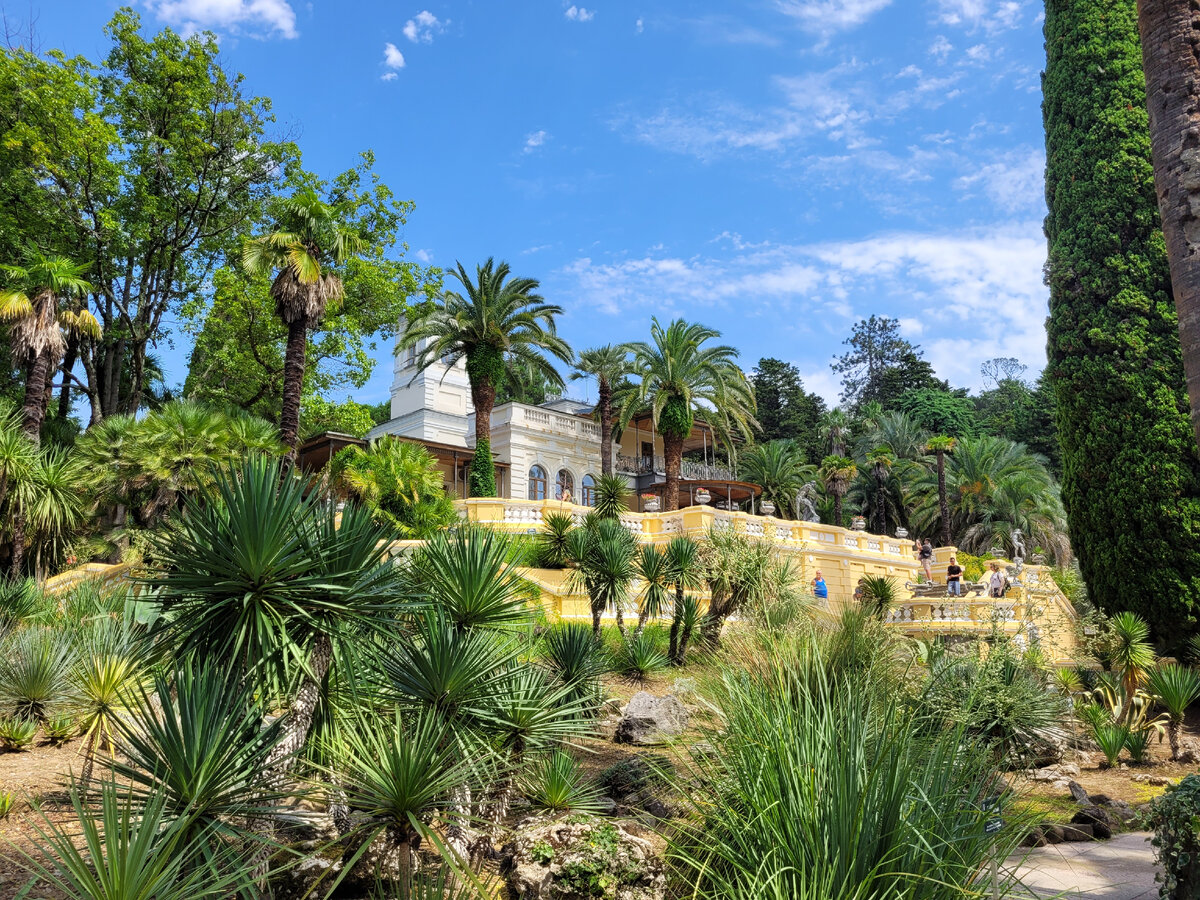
(551, 451)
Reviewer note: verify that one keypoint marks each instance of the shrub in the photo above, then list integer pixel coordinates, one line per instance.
(640, 657)
(556, 783)
(635, 774)
(17, 733)
(60, 729)
(1137, 742)
(578, 660)
(35, 663)
(8, 802)
(1110, 737)
(1176, 841)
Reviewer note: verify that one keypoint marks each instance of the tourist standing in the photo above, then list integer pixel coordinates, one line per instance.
(954, 578)
(995, 580)
(926, 558)
(820, 589)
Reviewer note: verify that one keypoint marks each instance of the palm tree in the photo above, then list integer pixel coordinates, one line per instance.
(32, 305)
(1130, 654)
(685, 571)
(1176, 688)
(897, 431)
(778, 467)
(608, 365)
(400, 482)
(681, 377)
(500, 321)
(835, 431)
(939, 446)
(308, 238)
(654, 571)
(837, 472)
(881, 460)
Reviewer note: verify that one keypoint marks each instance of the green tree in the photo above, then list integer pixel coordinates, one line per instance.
(35, 304)
(939, 445)
(785, 410)
(881, 365)
(307, 238)
(837, 474)
(880, 461)
(779, 468)
(942, 412)
(501, 322)
(680, 377)
(834, 428)
(609, 365)
(400, 482)
(1131, 473)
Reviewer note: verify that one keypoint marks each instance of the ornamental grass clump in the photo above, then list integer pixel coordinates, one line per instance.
(35, 664)
(816, 786)
(640, 657)
(556, 783)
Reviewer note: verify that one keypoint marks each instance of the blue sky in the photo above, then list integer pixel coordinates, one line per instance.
(776, 169)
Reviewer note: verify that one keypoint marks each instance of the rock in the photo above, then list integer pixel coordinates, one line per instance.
(651, 720)
(1033, 838)
(583, 857)
(633, 774)
(683, 687)
(1097, 818)
(1158, 780)
(1077, 791)
(659, 808)
(1074, 833)
(1100, 799)
(1055, 773)
(1190, 756)
(1052, 834)
(1063, 784)
(606, 806)
(311, 877)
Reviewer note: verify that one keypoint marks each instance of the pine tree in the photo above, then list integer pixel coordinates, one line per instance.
(1131, 478)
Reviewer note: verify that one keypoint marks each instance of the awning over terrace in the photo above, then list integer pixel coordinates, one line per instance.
(722, 491)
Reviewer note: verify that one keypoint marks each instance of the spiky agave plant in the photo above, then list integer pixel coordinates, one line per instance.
(577, 659)
(35, 663)
(639, 657)
(556, 783)
(1175, 688)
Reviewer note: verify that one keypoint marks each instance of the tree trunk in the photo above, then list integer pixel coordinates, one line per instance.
(943, 505)
(673, 456)
(620, 616)
(597, 612)
(676, 620)
(64, 394)
(606, 423)
(300, 713)
(880, 510)
(483, 398)
(35, 390)
(1173, 737)
(837, 508)
(293, 385)
(18, 543)
(1172, 69)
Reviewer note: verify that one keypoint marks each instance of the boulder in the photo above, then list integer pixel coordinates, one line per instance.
(1077, 791)
(1158, 780)
(651, 720)
(1073, 833)
(1094, 816)
(1052, 834)
(582, 856)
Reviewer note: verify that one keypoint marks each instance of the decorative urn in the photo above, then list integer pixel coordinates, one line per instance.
(767, 507)
(702, 495)
(858, 523)
(901, 532)
(650, 504)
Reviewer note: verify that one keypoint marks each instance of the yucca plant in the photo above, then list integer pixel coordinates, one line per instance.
(20, 601)
(1175, 688)
(654, 570)
(465, 574)
(602, 555)
(1137, 742)
(60, 728)
(35, 663)
(197, 740)
(878, 594)
(121, 848)
(578, 660)
(1066, 681)
(556, 783)
(690, 617)
(685, 572)
(612, 497)
(1110, 737)
(90, 600)
(17, 733)
(552, 540)
(8, 802)
(639, 657)
(1131, 655)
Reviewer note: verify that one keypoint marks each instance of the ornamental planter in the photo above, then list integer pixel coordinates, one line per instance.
(702, 496)
(650, 505)
(767, 507)
(901, 532)
(858, 523)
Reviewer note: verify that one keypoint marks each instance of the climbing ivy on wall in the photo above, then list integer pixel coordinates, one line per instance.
(1131, 478)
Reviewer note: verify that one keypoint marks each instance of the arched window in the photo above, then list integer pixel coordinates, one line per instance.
(588, 495)
(537, 483)
(564, 486)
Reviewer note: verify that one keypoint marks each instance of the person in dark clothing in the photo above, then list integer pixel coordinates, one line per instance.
(926, 558)
(954, 578)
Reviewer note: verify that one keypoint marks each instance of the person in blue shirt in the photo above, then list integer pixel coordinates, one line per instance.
(820, 589)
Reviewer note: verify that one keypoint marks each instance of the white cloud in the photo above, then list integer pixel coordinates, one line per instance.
(828, 17)
(392, 58)
(580, 14)
(1014, 182)
(990, 15)
(422, 27)
(535, 140)
(639, 26)
(963, 294)
(940, 48)
(423, 256)
(256, 18)
(388, 76)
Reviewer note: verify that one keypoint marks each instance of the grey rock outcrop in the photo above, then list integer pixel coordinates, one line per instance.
(651, 720)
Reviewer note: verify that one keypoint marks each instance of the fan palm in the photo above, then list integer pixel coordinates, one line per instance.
(837, 473)
(608, 365)
(779, 468)
(263, 575)
(939, 445)
(308, 238)
(1175, 688)
(500, 321)
(682, 377)
(685, 570)
(31, 304)
(602, 556)
(881, 461)
(400, 482)
(834, 429)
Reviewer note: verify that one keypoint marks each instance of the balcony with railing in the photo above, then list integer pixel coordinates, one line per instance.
(533, 418)
(656, 465)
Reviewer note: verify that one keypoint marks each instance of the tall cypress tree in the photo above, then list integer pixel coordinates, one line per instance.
(1131, 477)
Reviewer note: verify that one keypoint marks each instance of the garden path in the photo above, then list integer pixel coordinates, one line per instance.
(1119, 869)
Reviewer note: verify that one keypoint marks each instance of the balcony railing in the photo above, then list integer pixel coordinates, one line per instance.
(656, 465)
